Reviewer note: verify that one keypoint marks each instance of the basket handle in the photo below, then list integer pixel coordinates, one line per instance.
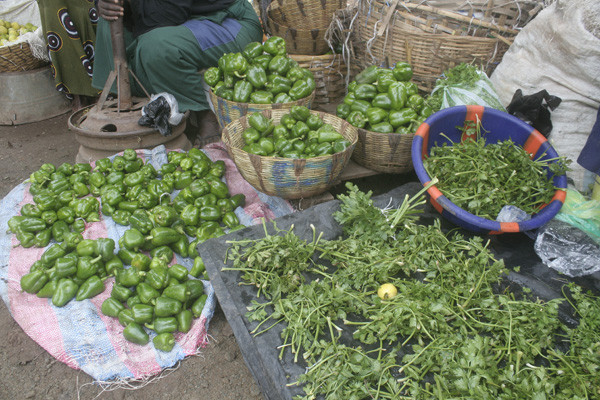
(388, 16)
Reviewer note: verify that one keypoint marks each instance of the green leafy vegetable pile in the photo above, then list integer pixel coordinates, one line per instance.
(451, 332)
(482, 178)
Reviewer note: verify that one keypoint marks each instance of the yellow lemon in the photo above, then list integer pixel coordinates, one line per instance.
(3, 30)
(387, 291)
(15, 25)
(12, 38)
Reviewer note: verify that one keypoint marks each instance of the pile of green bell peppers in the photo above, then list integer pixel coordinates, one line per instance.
(301, 133)
(74, 269)
(260, 74)
(385, 100)
(157, 297)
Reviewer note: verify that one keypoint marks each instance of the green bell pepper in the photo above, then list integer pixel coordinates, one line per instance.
(241, 91)
(257, 76)
(141, 262)
(164, 341)
(382, 127)
(252, 50)
(111, 307)
(86, 267)
(357, 119)
(125, 317)
(48, 290)
(92, 286)
(382, 100)
(129, 277)
(302, 88)
(251, 135)
(42, 238)
(198, 305)
(163, 252)
(167, 307)
(402, 71)
(157, 277)
(261, 97)
(385, 78)
(212, 75)
(402, 117)
(142, 313)
(398, 95)
(120, 293)
(133, 239)
(65, 291)
(146, 293)
(135, 333)
(179, 292)
(368, 75)
(163, 325)
(376, 115)
(275, 46)
(163, 215)
(34, 281)
(365, 91)
(184, 321)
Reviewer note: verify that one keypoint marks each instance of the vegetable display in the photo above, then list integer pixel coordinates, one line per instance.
(137, 195)
(452, 330)
(384, 100)
(261, 74)
(483, 177)
(299, 134)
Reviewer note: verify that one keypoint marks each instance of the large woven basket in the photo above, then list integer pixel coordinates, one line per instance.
(285, 177)
(330, 73)
(302, 23)
(18, 57)
(432, 40)
(228, 111)
(384, 152)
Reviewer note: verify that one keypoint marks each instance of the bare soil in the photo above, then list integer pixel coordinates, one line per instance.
(27, 371)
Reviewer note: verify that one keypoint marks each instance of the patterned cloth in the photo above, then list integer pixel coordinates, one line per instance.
(70, 32)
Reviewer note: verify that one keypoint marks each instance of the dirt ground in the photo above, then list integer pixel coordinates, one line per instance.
(27, 371)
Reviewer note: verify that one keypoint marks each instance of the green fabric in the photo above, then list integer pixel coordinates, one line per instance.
(71, 66)
(168, 59)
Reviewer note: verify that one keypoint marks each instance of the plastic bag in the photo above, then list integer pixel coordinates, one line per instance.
(582, 213)
(567, 249)
(534, 109)
(481, 92)
(161, 113)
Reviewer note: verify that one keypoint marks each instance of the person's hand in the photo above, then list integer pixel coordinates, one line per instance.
(110, 10)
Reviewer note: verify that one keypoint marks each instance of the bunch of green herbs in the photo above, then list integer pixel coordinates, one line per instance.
(482, 177)
(451, 332)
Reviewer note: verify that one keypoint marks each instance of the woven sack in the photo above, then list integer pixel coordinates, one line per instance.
(302, 24)
(384, 152)
(228, 111)
(432, 40)
(18, 58)
(329, 71)
(285, 177)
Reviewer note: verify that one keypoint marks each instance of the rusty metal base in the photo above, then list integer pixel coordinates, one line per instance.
(104, 132)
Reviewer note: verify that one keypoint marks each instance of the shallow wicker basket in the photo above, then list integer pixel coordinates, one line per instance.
(285, 177)
(18, 57)
(432, 40)
(329, 71)
(384, 152)
(228, 111)
(302, 23)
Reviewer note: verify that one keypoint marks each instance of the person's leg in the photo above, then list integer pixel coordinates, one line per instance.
(169, 59)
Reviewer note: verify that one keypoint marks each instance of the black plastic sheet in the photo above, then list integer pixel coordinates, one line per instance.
(260, 353)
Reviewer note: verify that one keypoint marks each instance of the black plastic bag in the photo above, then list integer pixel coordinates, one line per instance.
(156, 115)
(533, 109)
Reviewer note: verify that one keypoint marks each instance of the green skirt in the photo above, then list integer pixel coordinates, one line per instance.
(169, 59)
(70, 30)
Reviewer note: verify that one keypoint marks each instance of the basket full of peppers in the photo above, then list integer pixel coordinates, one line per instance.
(386, 107)
(260, 77)
(295, 153)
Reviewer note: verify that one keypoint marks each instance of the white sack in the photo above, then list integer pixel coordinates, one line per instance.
(559, 51)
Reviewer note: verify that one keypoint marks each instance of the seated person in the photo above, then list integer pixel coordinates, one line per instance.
(169, 42)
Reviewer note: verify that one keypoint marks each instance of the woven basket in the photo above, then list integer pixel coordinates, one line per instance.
(18, 57)
(228, 111)
(302, 24)
(285, 177)
(329, 71)
(432, 40)
(384, 152)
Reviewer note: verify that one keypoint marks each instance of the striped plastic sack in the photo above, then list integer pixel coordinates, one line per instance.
(78, 334)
